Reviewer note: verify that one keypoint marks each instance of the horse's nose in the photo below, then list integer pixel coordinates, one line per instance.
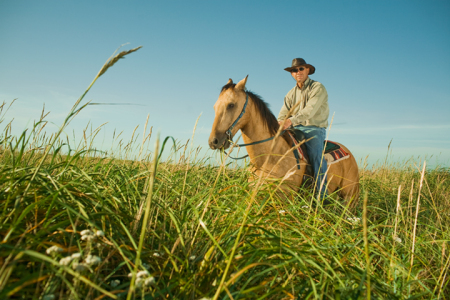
(213, 143)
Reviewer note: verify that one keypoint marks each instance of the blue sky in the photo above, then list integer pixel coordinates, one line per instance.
(385, 65)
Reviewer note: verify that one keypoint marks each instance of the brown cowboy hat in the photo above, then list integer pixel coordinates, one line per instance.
(298, 62)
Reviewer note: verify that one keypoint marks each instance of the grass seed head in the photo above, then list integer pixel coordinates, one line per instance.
(115, 59)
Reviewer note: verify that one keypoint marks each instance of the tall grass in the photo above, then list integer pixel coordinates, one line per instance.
(81, 224)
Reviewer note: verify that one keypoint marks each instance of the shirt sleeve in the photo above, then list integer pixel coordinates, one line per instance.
(317, 97)
(284, 110)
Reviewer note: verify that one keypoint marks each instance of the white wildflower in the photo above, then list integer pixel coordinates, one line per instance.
(65, 261)
(227, 210)
(54, 249)
(80, 267)
(142, 274)
(192, 258)
(156, 254)
(100, 233)
(86, 232)
(139, 282)
(282, 212)
(88, 237)
(143, 278)
(397, 239)
(92, 260)
(48, 297)
(76, 255)
(354, 220)
(115, 283)
(305, 206)
(149, 281)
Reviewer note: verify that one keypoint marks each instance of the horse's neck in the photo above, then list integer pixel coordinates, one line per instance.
(255, 130)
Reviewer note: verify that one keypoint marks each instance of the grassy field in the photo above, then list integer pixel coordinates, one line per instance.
(80, 224)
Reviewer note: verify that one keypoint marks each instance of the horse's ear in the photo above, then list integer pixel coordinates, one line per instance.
(230, 81)
(241, 84)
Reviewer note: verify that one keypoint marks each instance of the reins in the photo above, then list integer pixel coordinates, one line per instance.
(249, 144)
(228, 133)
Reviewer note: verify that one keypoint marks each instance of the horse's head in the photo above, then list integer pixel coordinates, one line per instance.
(228, 108)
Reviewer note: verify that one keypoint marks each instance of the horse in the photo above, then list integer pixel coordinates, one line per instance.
(273, 157)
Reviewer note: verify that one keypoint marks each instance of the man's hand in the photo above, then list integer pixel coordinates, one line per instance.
(286, 124)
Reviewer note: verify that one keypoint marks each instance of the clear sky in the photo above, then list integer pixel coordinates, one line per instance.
(385, 64)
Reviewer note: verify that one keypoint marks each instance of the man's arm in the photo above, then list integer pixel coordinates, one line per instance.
(284, 111)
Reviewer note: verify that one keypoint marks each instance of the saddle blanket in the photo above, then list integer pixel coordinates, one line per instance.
(299, 153)
(335, 153)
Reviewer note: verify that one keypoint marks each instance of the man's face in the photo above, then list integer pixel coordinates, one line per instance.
(300, 74)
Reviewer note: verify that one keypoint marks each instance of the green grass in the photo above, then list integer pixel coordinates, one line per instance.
(203, 231)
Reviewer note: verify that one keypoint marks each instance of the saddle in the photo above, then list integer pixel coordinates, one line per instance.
(333, 151)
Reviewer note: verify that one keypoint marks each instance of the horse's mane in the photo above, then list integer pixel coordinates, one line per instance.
(263, 109)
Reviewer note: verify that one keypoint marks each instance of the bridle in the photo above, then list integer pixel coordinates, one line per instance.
(228, 132)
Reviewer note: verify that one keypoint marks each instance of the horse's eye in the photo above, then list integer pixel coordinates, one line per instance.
(230, 106)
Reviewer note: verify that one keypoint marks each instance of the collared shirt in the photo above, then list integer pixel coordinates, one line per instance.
(311, 103)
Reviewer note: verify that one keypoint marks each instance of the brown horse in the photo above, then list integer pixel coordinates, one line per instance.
(238, 109)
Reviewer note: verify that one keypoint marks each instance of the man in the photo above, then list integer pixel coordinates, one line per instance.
(308, 101)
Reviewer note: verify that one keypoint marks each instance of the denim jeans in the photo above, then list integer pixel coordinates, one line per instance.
(314, 149)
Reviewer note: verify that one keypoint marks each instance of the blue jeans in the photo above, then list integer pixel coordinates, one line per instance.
(314, 148)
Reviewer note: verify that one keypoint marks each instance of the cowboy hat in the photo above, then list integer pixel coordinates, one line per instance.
(297, 62)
